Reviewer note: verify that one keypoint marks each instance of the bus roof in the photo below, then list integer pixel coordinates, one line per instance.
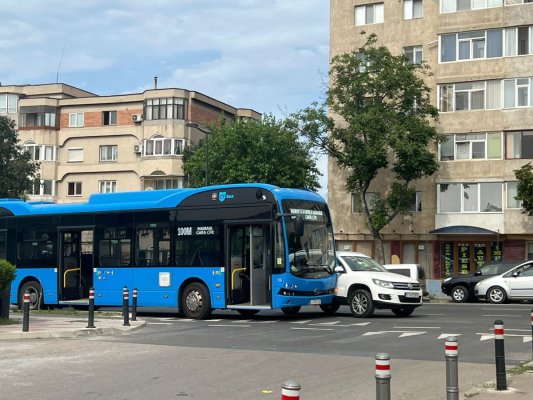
(150, 199)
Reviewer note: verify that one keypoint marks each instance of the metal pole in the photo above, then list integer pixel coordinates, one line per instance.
(383, 376)
(26, 313)
(134, 306)
(290, 390)
(206, 158)
(90, 322)
(532, 334)
(126, 311)
(452, 374)
(501, 378)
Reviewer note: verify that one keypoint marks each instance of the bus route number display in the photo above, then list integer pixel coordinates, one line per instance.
(197, 230)
(308, 215)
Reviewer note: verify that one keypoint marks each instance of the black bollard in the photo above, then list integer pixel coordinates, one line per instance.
(532, 333)
(452, 373)
(90, 322)
(501, 377)
(134, 306)
(126, 311)
(383, 376)
(26, 313)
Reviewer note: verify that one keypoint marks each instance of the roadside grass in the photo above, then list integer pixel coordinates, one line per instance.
(67, 311)
(4, 321)
(521, 369)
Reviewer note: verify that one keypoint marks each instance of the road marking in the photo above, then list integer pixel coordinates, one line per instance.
(328, 323)
(527, 339)
(403, 333)
(301, 322)
(518, 330)
(487, 336)
(213, 320)
(160, 323)
(267, 322)
(233, 325)
(241, 321)
(502, 309)
(361, 324)
(423, 315)
(504, 315)
(416, 327)
(314, 329)
(447, 335)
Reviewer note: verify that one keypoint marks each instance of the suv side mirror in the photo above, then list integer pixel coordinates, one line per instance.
(339, 269)
(515, 274)
(478, 273)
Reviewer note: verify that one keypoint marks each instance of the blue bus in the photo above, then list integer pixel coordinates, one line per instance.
(246, 247)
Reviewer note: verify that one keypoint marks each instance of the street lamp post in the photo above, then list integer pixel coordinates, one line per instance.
(206, 132)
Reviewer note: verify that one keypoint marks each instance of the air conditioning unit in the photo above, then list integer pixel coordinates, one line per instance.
(137, 149)
(137, 117)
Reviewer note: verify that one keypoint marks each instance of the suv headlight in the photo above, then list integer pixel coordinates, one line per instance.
(447, 280)
(384, 284)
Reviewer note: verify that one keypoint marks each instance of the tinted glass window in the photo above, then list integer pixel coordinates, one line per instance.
(198, 245)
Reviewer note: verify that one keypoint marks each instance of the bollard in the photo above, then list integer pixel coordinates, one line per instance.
(134, 306)
(26, 313)
(501, 378)
(531, 333)
(452, 374)
(290, 390)
(126, 311)
(382, 376)
(90, 322)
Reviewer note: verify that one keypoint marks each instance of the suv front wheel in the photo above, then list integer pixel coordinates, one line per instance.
(361, 303)
(460, 294)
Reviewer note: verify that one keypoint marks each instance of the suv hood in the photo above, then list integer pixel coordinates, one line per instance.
(384, 276)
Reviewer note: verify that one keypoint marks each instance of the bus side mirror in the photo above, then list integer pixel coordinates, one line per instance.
(299, 227)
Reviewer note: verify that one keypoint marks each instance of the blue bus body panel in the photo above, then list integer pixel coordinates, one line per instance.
(291, 282)
(47, 277)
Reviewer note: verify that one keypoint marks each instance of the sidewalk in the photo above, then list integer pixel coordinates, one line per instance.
(59, 326)
(519, 387)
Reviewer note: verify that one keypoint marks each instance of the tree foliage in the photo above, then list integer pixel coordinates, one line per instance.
(266, 151)
(380, 118)
(524, 190)
(17, 171)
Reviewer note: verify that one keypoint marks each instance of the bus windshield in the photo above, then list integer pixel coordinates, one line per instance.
(310, 239)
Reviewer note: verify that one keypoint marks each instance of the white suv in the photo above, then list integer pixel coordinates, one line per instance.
(365, 285)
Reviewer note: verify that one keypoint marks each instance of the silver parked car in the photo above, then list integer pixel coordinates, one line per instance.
(515, 284)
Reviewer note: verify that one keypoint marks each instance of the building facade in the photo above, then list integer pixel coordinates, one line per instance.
(481, 56)
(87, 143)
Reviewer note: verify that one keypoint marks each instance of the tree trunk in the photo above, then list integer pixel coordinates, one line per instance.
(4, 303)
(380, 252)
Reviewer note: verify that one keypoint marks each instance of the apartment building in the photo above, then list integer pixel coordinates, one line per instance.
(481, 57)
(87, 143)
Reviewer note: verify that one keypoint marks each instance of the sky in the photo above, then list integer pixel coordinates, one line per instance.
(268, 55)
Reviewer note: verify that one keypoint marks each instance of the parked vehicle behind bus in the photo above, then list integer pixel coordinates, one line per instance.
(218, 247)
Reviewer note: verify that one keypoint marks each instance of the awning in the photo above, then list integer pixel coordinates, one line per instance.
(462, 230)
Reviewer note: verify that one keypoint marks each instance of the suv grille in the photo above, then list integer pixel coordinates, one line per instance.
(406, 286)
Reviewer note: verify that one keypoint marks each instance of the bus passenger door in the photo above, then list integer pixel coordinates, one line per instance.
(76, 264)
(249, 264)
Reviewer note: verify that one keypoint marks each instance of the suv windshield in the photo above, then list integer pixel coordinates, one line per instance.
(310, 238)
(358, 263)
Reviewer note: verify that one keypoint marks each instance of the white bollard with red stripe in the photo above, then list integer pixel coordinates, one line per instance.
(290, 390)
(501, 377)
(383, 376)
(451, 353)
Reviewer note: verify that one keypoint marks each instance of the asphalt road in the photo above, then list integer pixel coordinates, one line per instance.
(230, 357)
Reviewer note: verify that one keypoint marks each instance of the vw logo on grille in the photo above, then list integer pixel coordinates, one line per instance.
(410, 286)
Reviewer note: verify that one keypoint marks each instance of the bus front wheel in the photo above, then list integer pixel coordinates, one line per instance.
(34, 288)
(195, 301)
(293, 310)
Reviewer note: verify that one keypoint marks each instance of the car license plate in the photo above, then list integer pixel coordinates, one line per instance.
(315, 301)
(412, 294)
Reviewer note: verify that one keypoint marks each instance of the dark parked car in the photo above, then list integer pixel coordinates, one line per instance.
(461, 287)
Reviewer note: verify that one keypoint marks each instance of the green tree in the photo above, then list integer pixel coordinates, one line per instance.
(524, 189)
(17, 171)
(266, 151)
(380, 119)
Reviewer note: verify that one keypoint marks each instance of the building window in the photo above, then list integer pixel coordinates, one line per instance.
(369, 14)
(448, 6)
(40, 152)
(511, 194)
(471, 45)
(75, 120)
(472, 146)
(469, 96)
(109, 117)
(518, 41)
(519, 144)
(483, 197)
(357, 206)
(516, 92)
(8, 102)
(161, 183)
(529, 251)
(107, 186)
(109, 152)
(413, 54)
(160, 146)
(75, 155)
(412, 9)
(74, 189)
(166, 108)
(28, 120)
(416, 204)
(43, 187)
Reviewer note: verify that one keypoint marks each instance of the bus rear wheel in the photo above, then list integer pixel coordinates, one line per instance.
(195, 301)
(247, 313)
(34, 288)
(330, 308)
